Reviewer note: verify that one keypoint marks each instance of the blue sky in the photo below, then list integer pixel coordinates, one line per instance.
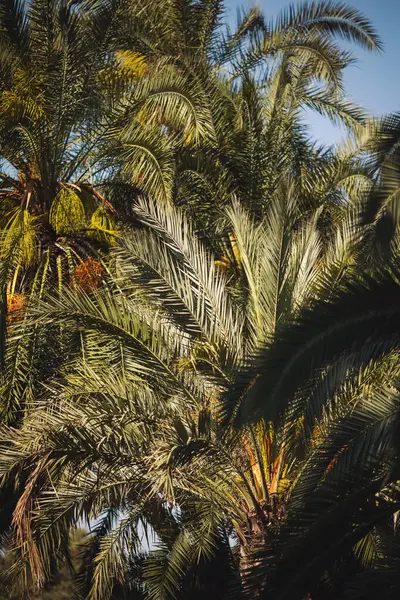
(374, 82)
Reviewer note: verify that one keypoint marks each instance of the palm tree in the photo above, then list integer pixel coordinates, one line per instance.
(210, 114)
(134, 432)
(345, 363)
(53, 220)
(50, 97)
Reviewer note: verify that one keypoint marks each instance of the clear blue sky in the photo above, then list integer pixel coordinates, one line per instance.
(374, 82)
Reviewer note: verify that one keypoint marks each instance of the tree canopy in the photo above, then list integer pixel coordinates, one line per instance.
(199, 309)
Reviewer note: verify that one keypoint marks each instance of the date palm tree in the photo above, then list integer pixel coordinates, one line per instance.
(51, 119)
(337, 360)
(52, 218)
(135, 432)
(212, 113)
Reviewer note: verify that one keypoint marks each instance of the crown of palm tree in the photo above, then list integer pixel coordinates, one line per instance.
(137, 427)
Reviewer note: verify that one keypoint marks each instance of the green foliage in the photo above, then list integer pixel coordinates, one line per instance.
(204, 363)
(138, 407)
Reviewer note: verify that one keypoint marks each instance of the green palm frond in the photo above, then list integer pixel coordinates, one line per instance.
(333, 19)
(337, 109)
(325, 339)
(148, 162)
(342, 494)
(110, 566)
(174, 254)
